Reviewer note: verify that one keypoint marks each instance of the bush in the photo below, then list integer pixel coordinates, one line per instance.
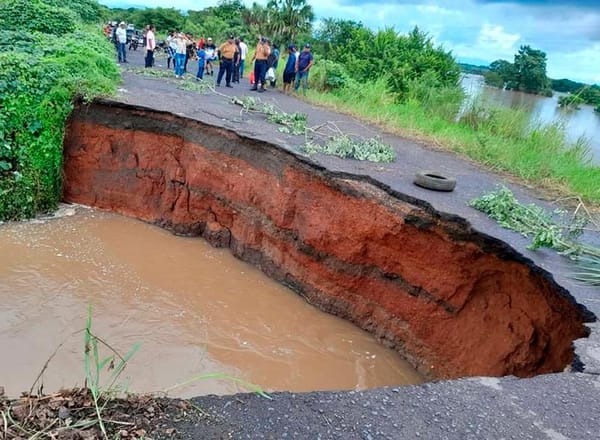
(36, 16)
(328, 75)
(41, 74)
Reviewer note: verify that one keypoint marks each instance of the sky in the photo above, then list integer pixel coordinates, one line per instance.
(476, 31)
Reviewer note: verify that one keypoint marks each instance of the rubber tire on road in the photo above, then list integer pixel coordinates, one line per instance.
(435, 181)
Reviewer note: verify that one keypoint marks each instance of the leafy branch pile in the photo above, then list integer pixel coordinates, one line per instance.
(548, 230)
(48, 56)
(371, 149)
(292, 123)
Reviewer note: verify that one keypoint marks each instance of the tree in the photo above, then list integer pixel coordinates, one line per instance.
(501, 74)
(530, 70)
(280, 20)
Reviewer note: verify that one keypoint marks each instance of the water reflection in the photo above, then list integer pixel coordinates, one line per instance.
(584, 122)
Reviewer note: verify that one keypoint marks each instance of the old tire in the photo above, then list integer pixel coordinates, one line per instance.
(435, 181)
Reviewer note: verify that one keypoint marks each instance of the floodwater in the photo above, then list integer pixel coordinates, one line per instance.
(194, 309)
(584, 122)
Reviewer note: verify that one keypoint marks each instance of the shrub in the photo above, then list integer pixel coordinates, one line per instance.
(328, 75)
(41, 74)
(36, 16)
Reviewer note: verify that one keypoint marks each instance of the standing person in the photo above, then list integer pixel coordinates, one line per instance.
(289, 72)
(150, 46)
(201, 54)
(227, 52)
(243, 54)
(190, 49)
(303, 64)
(273, 62)
(171, 49)
(121, 42)
(211, 55)
(236, 62)
(260, 64)
(181, 42)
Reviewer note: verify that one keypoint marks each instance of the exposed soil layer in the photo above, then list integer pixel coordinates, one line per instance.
(454, 301)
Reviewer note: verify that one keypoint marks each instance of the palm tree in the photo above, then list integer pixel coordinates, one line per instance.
(281, 20)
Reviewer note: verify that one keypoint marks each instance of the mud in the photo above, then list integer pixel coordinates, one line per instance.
(453, 301)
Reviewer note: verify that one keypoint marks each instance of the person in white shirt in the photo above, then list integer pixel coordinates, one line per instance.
(121, 40)
(150, 45)
(243, 53)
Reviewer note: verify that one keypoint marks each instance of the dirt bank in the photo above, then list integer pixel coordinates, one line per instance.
(454, 301)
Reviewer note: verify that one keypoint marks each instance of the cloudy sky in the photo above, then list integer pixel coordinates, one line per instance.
(477, 31)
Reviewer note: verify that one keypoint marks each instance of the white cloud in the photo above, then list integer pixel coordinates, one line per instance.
(494, 37)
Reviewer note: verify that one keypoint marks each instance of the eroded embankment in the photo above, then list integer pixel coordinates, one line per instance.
(454, 301)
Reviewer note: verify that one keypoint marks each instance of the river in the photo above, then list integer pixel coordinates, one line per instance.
(584, 122)
(195, 310)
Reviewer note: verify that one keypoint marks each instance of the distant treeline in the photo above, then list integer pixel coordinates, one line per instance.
(496, 76)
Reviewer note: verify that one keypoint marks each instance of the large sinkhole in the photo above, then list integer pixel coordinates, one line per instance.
(451, 300)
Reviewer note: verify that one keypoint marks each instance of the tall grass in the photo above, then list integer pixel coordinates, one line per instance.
(503, 139)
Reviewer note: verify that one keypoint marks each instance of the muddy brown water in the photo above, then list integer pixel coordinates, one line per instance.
(194, 309)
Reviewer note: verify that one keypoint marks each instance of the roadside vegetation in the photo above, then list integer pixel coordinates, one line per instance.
(50, 52)
(558, 230)
(53, 51)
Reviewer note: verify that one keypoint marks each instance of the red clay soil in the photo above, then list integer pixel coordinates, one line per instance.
(453, 301)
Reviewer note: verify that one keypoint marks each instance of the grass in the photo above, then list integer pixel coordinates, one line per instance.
(502, 139)
(102, 408)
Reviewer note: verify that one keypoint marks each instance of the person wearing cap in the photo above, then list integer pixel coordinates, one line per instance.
(304, 62)
(227, 52)
(211, 55)
(260, 64)
(289, 72)
(121, 42)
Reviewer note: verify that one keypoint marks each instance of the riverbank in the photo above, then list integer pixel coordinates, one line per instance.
(500, 138)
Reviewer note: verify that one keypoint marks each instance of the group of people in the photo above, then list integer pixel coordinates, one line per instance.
(231, 55)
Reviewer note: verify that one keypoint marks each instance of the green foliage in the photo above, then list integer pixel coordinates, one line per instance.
(94, 365)
(36, 16)
(570, 101)
(88, 11)
(555, 230)
(500, 74)
(590, 94)
(41, 74)
(293, 123)
(328, 75)
(371, 149)
(494, 79)
(281, 20)
(472, 69)
(530, 71)
(404, 60)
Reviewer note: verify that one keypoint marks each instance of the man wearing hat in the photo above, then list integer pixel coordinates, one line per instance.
(121, 41)
(304, 62)
(227, 52)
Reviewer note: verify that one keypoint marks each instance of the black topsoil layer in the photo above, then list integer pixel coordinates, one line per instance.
(555, 407)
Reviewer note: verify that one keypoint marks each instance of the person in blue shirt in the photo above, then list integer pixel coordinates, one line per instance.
(289, 72)
(303, 64)
(201, 60)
